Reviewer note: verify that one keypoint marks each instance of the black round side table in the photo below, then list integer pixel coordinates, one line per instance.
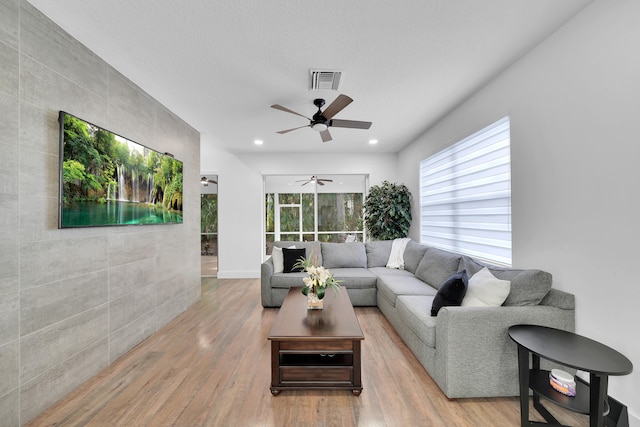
(571, 350)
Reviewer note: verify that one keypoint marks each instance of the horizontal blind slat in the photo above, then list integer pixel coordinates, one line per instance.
(465, 196)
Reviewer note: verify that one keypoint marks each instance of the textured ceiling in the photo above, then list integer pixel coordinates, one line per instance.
(220, 64)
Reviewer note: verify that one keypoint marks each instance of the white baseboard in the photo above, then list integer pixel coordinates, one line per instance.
(634, 421)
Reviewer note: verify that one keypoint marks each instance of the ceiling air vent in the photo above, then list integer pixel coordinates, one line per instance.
(325, 79)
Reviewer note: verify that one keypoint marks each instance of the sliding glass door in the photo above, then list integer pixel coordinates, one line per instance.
(328, 208)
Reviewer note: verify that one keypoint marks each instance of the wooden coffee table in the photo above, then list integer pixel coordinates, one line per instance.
(316, 349)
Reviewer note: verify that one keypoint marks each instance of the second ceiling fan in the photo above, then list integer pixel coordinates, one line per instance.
(314, 178)
(323, 120)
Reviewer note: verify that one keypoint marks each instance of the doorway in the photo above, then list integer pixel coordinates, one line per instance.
(209, 225)
(325, 208)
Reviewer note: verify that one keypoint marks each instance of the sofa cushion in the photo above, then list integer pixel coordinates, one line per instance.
(291, 257)
(485, 290)
(391, 286)
(287, 280)
(378, 252)
(344, 255)
(411, 310)
(313, 249)
(355, 278)
(437, 266)
(528, 287)
(451, 292)
(413, 254)
(384, 271)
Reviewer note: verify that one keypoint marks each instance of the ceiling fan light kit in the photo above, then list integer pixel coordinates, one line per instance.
(314, 179)
(322, 120)
(319, 127)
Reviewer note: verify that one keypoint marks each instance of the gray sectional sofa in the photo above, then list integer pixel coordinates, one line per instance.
(466, 350)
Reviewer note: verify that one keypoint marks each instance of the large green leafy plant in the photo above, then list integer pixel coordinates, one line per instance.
(387, 211)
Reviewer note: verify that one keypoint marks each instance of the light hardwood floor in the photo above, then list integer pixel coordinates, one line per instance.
(209, 265)
(211, 367)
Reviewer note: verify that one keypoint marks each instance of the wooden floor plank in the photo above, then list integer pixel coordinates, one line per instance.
(211, 367)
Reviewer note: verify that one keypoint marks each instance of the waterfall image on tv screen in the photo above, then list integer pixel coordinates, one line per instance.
(106, 179)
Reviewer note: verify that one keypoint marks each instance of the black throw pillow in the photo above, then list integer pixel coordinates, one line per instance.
(451, 292)
(291, 257)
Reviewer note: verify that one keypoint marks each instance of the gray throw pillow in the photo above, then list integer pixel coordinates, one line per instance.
(437, 266)
(344, 255)
(378, 252)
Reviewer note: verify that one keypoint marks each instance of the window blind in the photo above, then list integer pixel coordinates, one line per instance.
(465, 196)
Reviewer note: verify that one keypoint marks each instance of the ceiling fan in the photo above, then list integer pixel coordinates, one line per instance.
(323, 120)
(319, 181)
(205, 181)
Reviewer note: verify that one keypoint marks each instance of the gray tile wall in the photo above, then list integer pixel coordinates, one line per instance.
(73, 301)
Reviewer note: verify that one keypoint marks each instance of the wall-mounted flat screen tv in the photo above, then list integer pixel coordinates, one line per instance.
(107, 180)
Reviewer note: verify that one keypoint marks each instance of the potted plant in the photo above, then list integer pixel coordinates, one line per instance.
(387, 211)
(316, 284)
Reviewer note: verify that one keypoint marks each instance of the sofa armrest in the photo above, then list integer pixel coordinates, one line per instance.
(560, 299)
(475, 340)
(266, 271)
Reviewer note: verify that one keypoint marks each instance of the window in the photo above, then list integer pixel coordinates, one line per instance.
(465, 196)
(297, 209)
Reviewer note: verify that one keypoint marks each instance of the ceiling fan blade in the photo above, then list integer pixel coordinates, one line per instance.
(285, 109)
(304, 183)
(319, 182)
(205, 181)
(336, 106)
(325, 135)
(282, 132)
(354, 124)
(325, 180)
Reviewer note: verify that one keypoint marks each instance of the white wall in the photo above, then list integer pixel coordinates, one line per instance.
(574, 104)
(239, 206)
(240, 197)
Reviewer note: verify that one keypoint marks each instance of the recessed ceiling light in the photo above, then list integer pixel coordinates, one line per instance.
(373, 141)
(258, 142)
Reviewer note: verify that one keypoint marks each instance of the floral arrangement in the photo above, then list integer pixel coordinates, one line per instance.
(319, 278)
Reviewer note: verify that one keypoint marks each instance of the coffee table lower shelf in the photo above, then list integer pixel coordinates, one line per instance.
(303, 365)
(316, 349)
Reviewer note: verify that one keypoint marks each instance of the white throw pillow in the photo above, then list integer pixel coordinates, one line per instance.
(278, 258)
(486, 290)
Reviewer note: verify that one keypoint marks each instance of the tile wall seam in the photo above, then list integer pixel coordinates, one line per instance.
(19, 214)
(68, 318)
(110, 233)
(53, 70)
(93, 343)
